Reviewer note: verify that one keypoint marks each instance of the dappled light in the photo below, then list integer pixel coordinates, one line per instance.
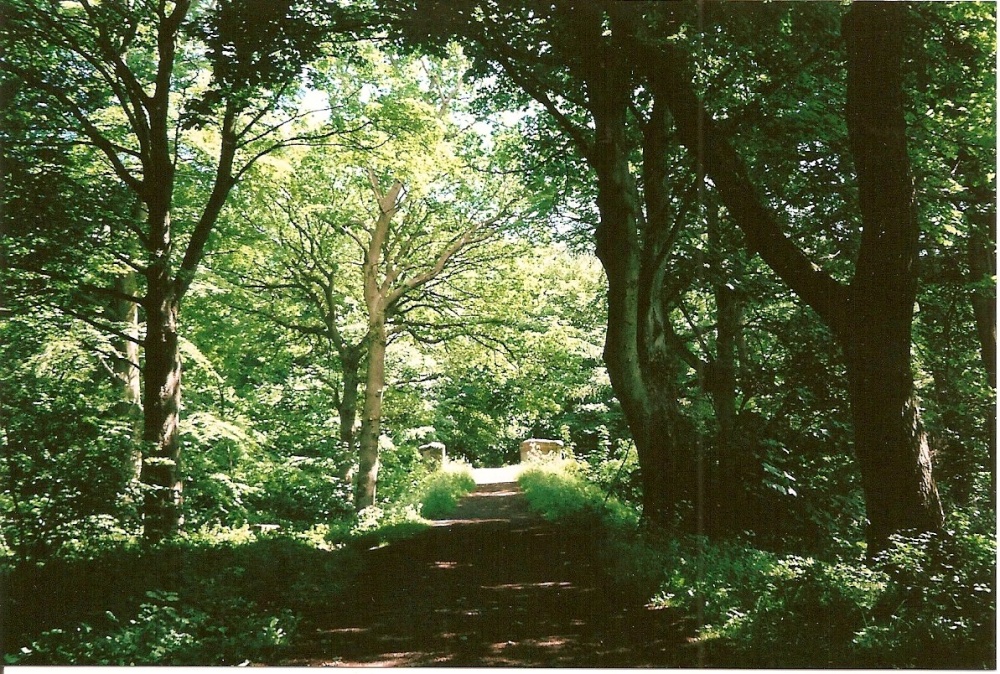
(498, 333)
(499, 587)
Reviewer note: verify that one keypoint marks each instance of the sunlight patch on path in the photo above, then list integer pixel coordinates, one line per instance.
(496, 475)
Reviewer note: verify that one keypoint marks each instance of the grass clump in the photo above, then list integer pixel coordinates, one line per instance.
(440, 491)
(558, 491)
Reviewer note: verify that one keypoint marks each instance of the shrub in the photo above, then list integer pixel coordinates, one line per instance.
(401, 469)
(939, 609)
(66, 450)
(302, 490)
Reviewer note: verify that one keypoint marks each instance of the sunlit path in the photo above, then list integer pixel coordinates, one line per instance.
(493, 585)
(496, 475)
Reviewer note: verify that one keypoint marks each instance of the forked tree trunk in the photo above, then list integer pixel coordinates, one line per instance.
(377, 300)
(629, 350)
(617, 248)
(871, 319)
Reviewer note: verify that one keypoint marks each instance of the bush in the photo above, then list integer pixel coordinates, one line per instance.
(302, 490)
(617, 474)
(940, 607)
(434, 496)
(66, 452)
(200, 599)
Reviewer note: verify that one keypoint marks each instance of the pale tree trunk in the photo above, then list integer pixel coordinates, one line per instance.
(376, 293)
(126, 367)
(371, 414)
(387, 280)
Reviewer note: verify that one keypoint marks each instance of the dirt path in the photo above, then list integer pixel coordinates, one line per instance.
(493, 586)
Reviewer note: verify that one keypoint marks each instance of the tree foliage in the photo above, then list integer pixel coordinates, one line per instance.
(740, 257)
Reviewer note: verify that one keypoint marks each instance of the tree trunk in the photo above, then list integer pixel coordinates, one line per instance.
(371, 415)
(954, 458)
(347, 406)
(162, 396)
(729, 497)
(983, 265)
(618, 248)
(872, 318)
(890, 442)
(126, 370)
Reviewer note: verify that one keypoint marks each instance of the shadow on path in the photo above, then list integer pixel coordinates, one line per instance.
(494, 585)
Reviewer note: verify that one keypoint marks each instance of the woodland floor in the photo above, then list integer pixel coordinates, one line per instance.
(495, 585)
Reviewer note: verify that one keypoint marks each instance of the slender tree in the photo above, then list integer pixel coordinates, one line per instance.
(122, 76)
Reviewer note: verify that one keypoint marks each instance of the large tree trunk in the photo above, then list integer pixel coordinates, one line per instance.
(890, 443)
(371, 415)
(872, 318)
(618, 248)
(161, 407)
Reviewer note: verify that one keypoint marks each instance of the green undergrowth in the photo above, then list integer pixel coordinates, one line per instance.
(558, 491)
(217, 596)
(434, 497)
(927, 602)
(441, 490)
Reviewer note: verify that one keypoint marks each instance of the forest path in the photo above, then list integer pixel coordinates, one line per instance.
(493, 585)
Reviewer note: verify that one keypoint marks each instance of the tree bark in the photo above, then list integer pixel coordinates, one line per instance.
(983, 265)
(871, 319)
(376, 292)
(161, 401)
(347, 405)
(628, 351)
(371, 415)
(890, 443)
(728, 494)
(126, 366)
